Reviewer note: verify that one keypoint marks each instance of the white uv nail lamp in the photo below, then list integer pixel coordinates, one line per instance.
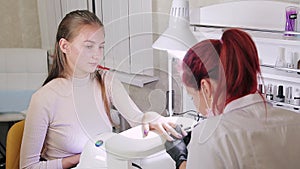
(129, 149)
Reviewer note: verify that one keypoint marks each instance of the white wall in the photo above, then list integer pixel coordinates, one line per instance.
(19, 26)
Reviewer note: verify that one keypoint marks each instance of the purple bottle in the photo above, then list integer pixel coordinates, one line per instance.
(291, 18)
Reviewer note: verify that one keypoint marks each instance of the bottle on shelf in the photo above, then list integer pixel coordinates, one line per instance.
(291, 19)
(280, 97)
(289, 95)
(269, 92)
(281, 61)
(290, 59)
(275, 92)
(297, 97)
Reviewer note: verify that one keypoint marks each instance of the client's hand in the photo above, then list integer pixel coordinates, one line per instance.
(177, 149)
(153, 120)
(71, 161)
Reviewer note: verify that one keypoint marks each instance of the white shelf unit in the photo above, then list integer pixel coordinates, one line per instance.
(269, 45)
(268, 35)
(282, 75)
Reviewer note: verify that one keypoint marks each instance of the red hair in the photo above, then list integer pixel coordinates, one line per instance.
(232, 62)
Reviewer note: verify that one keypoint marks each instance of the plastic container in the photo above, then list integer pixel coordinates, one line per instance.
(291, 19)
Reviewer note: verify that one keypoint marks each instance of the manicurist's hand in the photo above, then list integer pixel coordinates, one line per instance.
(177, 150)
(71, 161)
(154, 121)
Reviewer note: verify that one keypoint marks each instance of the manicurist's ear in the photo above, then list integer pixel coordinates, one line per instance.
(207, 88)
(64, 45)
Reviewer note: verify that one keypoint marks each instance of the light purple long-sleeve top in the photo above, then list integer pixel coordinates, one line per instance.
(65, 113)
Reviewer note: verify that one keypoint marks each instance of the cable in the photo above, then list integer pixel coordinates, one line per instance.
(197, 115)
(177, 114)
(137, 166)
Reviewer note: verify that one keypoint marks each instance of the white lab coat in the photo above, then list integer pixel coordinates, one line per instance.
(248, 135)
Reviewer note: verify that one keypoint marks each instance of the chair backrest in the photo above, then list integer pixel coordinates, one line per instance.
(22, 71)
(13, 145)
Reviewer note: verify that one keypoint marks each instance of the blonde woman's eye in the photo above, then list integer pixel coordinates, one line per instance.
(89, 46)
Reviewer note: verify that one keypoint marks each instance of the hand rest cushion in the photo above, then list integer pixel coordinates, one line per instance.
(131, 144)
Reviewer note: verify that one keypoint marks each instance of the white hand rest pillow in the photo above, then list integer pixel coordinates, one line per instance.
(131, 144)
(94, 157)
(127, 145)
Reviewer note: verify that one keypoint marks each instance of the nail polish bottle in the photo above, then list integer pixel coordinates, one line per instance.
(275, 91)
(269, 92)
(280, 97)
(289, 94)
(297, 97)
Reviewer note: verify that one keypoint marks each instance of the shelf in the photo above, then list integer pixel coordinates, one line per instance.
(288, 70)
(276, 38)
(286, 106)
(280, 74)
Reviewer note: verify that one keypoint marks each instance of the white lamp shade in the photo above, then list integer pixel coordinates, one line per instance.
(178, 35)
(175, 39)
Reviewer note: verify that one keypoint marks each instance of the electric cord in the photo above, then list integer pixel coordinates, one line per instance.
(194, 113)
(137, 166)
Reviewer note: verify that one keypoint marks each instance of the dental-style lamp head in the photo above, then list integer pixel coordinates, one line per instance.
(178, 36)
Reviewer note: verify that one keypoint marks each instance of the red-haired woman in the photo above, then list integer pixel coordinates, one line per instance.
(242, 129)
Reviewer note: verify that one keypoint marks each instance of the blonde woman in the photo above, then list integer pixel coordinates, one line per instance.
(74, 103)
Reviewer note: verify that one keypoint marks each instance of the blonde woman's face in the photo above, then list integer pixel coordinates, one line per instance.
(86, 50)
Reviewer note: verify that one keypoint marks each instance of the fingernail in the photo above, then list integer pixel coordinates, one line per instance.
(185, 134)
(145, 132)
(179, 135)
(171, 139)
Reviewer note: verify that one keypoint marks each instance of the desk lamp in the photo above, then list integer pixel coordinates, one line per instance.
(176, 40)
